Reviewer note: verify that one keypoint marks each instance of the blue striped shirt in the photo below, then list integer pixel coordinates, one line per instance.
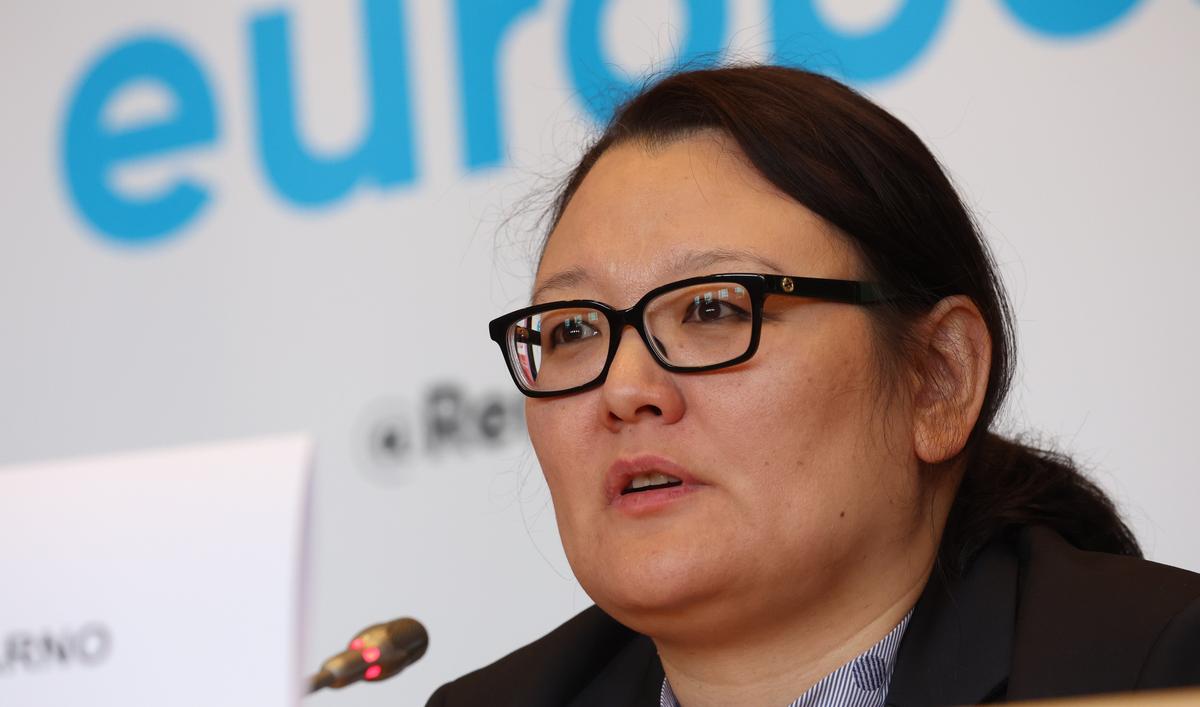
(863, 682)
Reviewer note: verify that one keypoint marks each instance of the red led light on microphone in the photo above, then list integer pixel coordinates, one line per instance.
(356, 644)
(370, 654)
(373, 672)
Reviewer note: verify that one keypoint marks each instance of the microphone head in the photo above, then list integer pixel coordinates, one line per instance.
(399, 644)
(375, 653)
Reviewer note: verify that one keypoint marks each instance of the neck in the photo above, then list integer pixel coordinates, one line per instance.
(777, 660)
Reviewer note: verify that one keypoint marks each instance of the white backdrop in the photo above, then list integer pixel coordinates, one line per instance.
(169, 274)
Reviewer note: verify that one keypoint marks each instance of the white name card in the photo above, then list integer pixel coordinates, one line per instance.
(155, 578)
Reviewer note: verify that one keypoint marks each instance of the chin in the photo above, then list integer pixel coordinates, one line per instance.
(649, 594)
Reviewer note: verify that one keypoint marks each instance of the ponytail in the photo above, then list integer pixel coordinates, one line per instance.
(1008, 484)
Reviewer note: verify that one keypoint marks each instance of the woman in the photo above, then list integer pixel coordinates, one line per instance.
(765, 349)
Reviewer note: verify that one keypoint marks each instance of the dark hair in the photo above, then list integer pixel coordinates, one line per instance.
(862, 170)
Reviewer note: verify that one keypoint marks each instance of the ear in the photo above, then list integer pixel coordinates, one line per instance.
(956, 351)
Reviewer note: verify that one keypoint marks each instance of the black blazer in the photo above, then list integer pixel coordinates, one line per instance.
(1031, 617)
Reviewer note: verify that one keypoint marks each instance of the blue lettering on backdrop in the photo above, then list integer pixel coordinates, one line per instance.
(1069, 18)
(386, 153)
(91, 148)
(481, 28)
(599, 88)
(804, 38)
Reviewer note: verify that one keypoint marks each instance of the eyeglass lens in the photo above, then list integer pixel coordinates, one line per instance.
(692, 326)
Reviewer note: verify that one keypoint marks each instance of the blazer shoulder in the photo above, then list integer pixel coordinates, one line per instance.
(1174, 660)
(549, 671)
(1095, 622)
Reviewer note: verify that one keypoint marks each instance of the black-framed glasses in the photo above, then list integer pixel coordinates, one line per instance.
(697, 324)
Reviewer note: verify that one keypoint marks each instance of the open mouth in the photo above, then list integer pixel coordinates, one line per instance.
(650, 482)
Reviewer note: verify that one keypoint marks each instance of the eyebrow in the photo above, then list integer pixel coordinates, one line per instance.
(562, 280)
(689, 261)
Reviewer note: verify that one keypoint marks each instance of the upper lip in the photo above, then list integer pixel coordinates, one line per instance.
(623, 471)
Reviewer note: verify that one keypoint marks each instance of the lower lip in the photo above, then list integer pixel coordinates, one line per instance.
(643, 502)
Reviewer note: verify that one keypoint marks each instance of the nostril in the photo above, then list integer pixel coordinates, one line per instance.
(648, 410)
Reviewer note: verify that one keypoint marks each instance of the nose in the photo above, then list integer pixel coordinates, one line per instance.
(637, 389)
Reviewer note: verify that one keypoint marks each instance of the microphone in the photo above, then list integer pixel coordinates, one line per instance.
(375, 653)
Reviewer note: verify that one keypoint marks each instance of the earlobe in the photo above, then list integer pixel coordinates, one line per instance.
(956, 351)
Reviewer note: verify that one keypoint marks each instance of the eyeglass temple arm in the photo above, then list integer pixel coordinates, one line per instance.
(850, 291)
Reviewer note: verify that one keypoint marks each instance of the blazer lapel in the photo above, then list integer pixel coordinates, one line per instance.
(958, 645)
(633, 677)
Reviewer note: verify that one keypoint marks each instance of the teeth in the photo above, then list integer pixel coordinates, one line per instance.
(641, 481)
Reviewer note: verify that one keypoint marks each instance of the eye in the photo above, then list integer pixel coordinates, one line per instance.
(713, 310)
(572, 330)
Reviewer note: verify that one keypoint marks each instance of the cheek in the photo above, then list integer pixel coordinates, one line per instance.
(804, 431)
(557, 431)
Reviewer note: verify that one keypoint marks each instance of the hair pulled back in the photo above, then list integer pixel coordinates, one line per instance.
(863, 171)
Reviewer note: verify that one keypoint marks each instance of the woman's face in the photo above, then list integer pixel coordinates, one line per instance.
(800, 481)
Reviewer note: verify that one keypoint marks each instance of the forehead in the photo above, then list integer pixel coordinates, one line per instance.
(648, 215)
